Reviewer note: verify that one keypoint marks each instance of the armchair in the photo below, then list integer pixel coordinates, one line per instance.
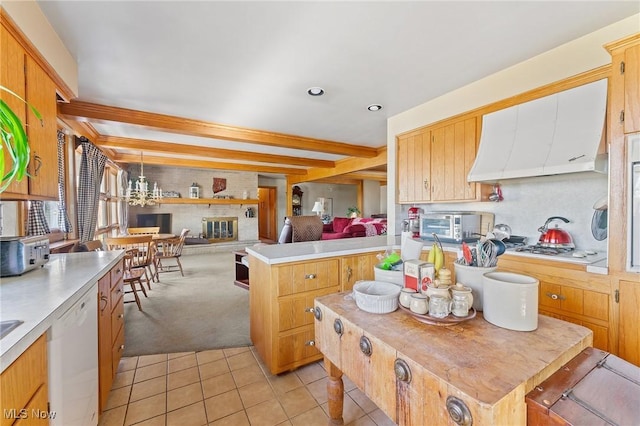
(301, 228)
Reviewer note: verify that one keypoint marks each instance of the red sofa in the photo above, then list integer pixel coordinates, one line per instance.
(345, 227)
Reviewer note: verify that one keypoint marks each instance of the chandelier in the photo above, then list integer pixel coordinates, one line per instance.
(140, 195)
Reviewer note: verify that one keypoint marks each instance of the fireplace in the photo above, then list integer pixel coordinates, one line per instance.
(219, 229)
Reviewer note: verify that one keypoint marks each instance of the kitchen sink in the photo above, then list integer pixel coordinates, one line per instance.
(7, 326)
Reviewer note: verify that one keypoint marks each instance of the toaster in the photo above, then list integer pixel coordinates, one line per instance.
(21, 254)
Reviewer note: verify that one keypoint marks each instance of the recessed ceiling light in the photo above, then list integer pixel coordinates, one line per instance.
(374, 107)
(315, 91)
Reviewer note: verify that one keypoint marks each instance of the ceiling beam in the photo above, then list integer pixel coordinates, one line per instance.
(349, 165)
(86, 111)
(203, 151)
(204, 164)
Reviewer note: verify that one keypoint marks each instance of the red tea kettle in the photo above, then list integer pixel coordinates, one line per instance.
(555, 237)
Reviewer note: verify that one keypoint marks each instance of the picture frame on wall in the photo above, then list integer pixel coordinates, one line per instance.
(328, 207)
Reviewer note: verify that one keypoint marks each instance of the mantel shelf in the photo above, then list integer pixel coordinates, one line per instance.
(210, 201)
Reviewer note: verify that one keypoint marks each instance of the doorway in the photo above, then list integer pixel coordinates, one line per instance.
(267, 212)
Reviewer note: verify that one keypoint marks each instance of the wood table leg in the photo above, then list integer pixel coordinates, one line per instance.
(335, 393)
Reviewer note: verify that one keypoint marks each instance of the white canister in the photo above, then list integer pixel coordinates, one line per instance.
(511, 300)
(471, 276)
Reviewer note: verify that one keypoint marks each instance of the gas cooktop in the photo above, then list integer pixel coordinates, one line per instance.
(560, 253)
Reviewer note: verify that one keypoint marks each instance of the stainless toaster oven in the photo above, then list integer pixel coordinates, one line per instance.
(451, 227)
(21, 254)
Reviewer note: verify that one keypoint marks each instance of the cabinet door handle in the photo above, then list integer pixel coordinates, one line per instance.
(365, 346)
(121, 347)
(338, 327)
(310, 343)
(120, 316)
(310, 276)
(556, 296)
(426, 184)
(38, 161)
(402, 370)
(459, 412)
(104, 299)
(349, 273)
(316, 312)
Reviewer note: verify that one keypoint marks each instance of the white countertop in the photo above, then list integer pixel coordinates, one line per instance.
(41, 296)
(274, 254)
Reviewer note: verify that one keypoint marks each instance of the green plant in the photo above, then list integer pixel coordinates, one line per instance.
(353, 211)
(14, 141)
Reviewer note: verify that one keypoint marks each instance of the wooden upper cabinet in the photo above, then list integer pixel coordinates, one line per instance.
(22, 74)
(433, 163)
(632, 88)
(43, 167)
(625, 103)
(414, 168)
(12, 76)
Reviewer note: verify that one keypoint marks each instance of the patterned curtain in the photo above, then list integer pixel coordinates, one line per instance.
(36, 220)
(123, 211)
(91, 170)
(63, 218)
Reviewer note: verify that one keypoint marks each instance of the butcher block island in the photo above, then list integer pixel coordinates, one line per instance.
(468, 373)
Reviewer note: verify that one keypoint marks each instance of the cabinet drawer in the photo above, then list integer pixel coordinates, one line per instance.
(22, 379)
(295, 349)
(301, 277)
(117, 319)
(292, 309)
(116, 294)
(573, 300)
(116, 352)
(116, 273)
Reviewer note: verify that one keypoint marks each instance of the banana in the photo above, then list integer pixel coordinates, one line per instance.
(432, 254)
(439, 258)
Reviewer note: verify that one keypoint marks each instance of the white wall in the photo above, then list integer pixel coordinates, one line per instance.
(190, 215)
(528, 201)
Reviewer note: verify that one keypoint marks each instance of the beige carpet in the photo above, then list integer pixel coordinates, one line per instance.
(202, 310)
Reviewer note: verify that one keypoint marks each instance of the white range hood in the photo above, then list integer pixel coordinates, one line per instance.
(556, 134)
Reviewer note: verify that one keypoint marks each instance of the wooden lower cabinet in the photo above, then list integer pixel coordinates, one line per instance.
(281, 304)
(569, 293)
(629, 334)
(110, 329)
(357, 268)
(23, 387)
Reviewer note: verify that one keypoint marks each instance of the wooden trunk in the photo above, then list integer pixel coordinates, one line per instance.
(594, 388)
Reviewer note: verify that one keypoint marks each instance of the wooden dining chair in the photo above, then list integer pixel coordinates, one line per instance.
(144, 230)
(143, 250)
(132, 276)
(171, 249)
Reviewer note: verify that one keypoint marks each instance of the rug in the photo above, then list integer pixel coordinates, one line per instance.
(200, 311)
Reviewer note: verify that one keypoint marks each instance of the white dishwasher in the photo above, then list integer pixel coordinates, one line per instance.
(72, 348)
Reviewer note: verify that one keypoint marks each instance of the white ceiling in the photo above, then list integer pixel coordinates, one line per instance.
(249, 64)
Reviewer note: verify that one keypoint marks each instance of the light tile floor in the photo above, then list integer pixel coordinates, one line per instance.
(226, 387)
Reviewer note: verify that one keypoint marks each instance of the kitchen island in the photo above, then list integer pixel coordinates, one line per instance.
(469, 373)
(286, 278)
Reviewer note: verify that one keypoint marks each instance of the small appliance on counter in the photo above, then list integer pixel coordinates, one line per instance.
(21, 254)
(453, 227)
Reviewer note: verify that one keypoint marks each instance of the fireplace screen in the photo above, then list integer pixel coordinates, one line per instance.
(218, 229)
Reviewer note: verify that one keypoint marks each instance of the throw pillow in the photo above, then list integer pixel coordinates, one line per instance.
(339, 223)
